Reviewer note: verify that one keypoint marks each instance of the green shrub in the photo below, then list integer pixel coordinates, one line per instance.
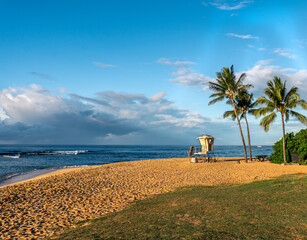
(301, 143)
(277, 155)
(294, 144)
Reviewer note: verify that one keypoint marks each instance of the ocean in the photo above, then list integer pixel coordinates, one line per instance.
(19, 162)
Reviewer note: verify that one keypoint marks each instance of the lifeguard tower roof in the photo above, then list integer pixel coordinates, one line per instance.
(205, 136)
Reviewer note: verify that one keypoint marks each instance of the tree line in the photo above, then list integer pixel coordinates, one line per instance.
(276, 100)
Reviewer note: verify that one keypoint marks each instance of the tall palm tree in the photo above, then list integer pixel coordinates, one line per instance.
(227, 86)
(277, 99)
(244, 104)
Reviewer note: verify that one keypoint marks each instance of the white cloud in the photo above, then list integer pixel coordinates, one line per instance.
(280, 51)
(263, 71)
(103, 65)
(264, 62)
(285, 53)
(242, 36)
(182, 71)
(193, 120)
(158, 96)
(228, 5)
(185, 76)
(192, 79)
(3, 115)
(28, 105)
(166, 61)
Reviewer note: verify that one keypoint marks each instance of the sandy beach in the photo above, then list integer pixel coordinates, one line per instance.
(44, 205)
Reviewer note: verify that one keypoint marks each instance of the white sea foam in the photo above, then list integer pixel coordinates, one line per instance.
(11, 156)
(72, 152)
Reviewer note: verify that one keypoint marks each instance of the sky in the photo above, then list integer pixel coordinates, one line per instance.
(137, 72)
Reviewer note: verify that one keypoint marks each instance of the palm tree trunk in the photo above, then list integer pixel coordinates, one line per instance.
(283, 138)
(244, 147)
(248, 138)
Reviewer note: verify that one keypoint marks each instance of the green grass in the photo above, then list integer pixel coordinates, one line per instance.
(274, 209)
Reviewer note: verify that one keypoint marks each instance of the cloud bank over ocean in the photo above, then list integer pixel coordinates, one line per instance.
(34, 114)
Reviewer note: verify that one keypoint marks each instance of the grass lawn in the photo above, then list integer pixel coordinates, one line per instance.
(273, 209)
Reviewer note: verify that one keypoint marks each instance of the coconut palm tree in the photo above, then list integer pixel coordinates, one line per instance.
(227, 86)
(278, 99)
(244, 104)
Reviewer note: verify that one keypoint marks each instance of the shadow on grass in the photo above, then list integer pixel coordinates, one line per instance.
(272, 209)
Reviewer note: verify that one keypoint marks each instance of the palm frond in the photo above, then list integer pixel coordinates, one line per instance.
(229, 102)
(263, 111)
(253, 104)
(216, 95)
(299, 116)
(287, 115)
(292, 94)
(283, 90)
(302, 103)
(240, 80)
(230, 114)
(217, 99)
(267, 120)
(252, 111)
(264, 101)
(216, 86)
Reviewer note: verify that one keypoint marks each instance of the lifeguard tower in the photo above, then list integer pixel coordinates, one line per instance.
(205, 152)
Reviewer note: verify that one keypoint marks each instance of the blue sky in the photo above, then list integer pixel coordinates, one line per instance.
(136, 72)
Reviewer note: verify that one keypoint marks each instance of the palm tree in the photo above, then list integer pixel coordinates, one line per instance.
(228, 87)
(277, 99)
(244, 104)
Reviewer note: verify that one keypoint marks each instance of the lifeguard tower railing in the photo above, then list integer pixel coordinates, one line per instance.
(198, 151)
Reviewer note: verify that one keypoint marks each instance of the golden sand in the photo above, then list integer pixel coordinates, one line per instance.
(38, 208)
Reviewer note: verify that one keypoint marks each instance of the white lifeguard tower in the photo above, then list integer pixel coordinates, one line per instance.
(206, 142)
(205, 152)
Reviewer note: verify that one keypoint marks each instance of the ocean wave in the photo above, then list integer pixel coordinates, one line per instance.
(11, 175)
(72, 166)
(73, 152)
(69, 152)
(12, 156)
